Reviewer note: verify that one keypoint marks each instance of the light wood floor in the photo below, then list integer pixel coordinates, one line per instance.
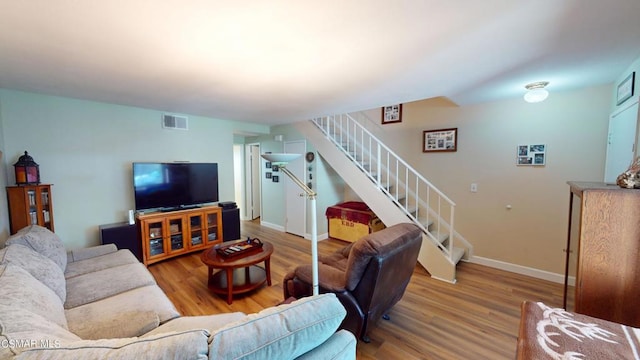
(476, 318)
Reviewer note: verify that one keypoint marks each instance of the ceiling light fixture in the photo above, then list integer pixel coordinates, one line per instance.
(536, 92)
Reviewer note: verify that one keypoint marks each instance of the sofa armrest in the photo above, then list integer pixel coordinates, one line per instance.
(340, 346)
(282, 332)
(329, 278)
(184, 345)
(90, 252)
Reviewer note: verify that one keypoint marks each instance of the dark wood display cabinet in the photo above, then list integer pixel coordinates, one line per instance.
(30, 205)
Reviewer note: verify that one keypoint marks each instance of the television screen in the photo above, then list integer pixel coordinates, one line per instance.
(174, 185)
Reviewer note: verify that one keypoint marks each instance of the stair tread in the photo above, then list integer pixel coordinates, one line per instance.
(458, 253)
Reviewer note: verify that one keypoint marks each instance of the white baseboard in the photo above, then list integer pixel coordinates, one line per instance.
(522, 270)
(272, 226)
(321, 237)
(281, 228)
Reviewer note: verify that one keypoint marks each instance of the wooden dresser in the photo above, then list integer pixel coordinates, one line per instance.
(604, 230)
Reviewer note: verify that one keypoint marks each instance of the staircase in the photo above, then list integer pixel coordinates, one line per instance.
(391, 188)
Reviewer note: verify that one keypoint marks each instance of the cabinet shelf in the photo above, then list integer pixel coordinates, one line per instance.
(168, 234)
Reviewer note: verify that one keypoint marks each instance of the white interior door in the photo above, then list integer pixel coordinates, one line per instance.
(238, 179)
(252, 162)
(295, 205)
(621, 142)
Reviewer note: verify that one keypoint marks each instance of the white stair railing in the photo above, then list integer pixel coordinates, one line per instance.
(422, 202)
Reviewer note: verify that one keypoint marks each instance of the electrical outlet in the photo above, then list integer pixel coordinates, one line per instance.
(474, 187)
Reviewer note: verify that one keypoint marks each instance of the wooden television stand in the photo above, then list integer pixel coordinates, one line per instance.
(168, 234)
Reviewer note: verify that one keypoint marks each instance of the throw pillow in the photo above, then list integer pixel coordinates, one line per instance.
(21, 289)
(43, 241)
(39, 266)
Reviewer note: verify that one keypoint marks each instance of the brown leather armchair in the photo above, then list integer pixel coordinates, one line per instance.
(369, 276)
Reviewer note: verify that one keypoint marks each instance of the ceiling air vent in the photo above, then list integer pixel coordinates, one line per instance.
(174, 122)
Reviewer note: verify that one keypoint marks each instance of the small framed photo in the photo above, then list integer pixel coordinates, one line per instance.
(391, 114)
(268, 164)
(275, 178)
(267, 175)
(275, 168)
(440, 140)
(531, 154)
(625, 89)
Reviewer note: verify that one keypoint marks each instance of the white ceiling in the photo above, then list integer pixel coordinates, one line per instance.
(280, 61)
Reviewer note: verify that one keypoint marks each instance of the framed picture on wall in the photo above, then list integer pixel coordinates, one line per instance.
(391, 114)
(531, 154)
(440, 140)
(625, 89)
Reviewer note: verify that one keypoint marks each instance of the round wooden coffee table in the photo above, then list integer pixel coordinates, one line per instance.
(241, 274)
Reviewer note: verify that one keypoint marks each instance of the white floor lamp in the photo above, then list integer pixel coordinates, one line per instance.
(281, 160)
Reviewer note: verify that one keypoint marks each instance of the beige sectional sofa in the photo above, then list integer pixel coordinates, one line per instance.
(101, 303)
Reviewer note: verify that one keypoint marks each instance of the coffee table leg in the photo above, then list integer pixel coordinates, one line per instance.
(210, 274)
(229, 286)
(267, 269)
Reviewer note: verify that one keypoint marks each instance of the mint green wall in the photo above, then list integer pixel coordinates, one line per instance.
(328, 185)
(85, 149)
(272, 212)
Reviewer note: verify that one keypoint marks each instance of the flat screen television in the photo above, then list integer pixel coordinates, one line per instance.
(174, 185)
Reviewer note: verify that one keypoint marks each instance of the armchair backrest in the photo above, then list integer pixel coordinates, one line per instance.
(380, 266)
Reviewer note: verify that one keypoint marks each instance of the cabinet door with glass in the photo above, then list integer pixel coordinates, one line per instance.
(213, 231)
(197, 231)
(177, 234)
(153, 239)
(30, 205)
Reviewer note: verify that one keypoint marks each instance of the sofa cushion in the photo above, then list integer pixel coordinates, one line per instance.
(90, 252)
(39, 266)
(43, 241)
(120, 325)
(143, 299)
(101, 262)
(98, 285)
(21, 329)
(19, 288)
(184, 345)
(206, 322)
(281, 332)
